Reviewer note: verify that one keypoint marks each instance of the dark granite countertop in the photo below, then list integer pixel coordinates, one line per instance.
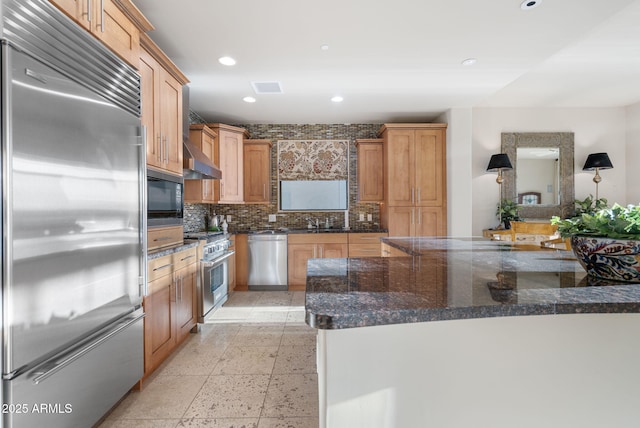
(303, 231)
(456, 278)
(166, 251)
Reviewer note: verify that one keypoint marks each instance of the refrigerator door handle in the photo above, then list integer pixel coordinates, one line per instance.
(68, 360)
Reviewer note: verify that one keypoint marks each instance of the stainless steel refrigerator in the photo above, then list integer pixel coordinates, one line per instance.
(72, 221)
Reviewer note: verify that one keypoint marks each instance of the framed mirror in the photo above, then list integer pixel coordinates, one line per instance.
(541, 181)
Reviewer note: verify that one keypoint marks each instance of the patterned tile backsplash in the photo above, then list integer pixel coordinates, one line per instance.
(256, 217)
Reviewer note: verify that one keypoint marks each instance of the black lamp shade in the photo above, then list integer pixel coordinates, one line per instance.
(597, 160)
(498, 162)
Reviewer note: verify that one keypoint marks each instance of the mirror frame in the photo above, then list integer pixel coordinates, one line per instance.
(511, 141)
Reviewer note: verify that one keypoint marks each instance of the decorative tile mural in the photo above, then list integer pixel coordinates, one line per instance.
(313, 160)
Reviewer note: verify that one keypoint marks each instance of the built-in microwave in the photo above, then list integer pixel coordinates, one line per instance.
(165, 204)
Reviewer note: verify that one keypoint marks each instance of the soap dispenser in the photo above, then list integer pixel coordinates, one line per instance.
(326, 223)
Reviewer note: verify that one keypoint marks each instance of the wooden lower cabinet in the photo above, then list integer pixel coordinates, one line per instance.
(232, 264)
(159, 237)
(365, 244)
(159, 334)
(170, 305)
(242, 262)
(303, 247)
(416, 221)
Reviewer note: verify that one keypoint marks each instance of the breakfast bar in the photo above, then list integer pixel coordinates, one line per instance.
(461, 332)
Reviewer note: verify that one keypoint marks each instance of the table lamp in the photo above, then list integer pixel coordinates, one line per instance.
(499, 162)
(597, 161)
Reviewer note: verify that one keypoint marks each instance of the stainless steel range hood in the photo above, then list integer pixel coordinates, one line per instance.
(195, 164)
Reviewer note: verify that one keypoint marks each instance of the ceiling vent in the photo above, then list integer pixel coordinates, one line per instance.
(267, 87)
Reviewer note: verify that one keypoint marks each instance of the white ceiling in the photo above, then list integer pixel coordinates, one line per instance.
(398, 60)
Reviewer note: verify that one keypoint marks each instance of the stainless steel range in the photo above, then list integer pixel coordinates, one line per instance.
(213, 283)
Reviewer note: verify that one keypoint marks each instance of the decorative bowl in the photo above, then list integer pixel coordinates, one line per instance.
(608, 258)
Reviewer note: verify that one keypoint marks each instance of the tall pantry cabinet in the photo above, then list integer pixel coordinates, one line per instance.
(415, 193)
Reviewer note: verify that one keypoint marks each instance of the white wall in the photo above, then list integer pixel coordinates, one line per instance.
(596, 130)
(459, 178)
(633, 154)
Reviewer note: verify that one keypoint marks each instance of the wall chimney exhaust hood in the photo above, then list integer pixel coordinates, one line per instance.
(195, 164)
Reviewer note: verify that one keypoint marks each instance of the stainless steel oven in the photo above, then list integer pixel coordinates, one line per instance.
(213, 284)
(165, 204)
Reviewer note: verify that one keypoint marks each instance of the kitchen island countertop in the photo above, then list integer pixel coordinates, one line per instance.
(514, 335)
(456, 278)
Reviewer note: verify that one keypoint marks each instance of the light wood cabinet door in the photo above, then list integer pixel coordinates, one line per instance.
(429, 168)
(303, 247)
(171, 121)
(161, 101)
(402, 221)
(159, 323)
(230, 148)
(159, 237)
(257, 171)
(370, 170)
(107, 22)
(242, 262)
(430, 221)
(399, 154)
(298, 254)
(415, 179)
(149, 93)
(78, 10)
(116, 30)
(232, 264)
(332, 251)
(365, 244)
(185, 283)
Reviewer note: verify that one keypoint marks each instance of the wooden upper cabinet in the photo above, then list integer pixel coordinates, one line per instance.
(415, 193)
(429, 168)
(230, 148)
(202, 191)
(257, 171)
(161, 93)
(118, 23)
(370, 170)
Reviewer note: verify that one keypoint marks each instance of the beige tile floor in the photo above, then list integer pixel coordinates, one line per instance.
(252, 365)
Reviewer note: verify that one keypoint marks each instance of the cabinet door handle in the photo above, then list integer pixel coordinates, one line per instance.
(264, 191)
(186, 258)
(419, 215)
(102, 15)
(413, 211)
(89, 10)
(162, 267)
(412, 195)
(166, 150)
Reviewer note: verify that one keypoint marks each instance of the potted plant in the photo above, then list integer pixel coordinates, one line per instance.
(589, 205)
(507, 211)
(606, 242)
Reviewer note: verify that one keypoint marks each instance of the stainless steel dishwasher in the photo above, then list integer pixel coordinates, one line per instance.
(267, 261)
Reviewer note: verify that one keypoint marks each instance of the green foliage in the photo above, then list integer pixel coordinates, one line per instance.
(615, 222)
(590, 205)
(507, 210)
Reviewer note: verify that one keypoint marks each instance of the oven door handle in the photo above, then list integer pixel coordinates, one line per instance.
(211, 263)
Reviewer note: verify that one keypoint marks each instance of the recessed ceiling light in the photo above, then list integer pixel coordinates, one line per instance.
(530, 4)
(337, 99)
(469, 61)
(249, 100)
(226, 60)
(324, 47)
